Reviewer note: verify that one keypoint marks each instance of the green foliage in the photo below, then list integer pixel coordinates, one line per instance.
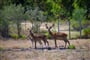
(37, 17)
(79, 14)
(76, 25)
(86, 32)
(71, 47)
(14, 36)
(48, 35)
(1, 48)
(23, 37)
(15, 14)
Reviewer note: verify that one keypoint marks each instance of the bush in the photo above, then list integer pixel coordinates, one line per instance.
(48, 35)
(14, 36)
(71, 47)
(1, 49)
(76, 25)
(86, 32)
(23, 37)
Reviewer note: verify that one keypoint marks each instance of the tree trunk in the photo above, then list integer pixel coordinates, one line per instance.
(5, 31)
(59, 25)
(69, 29)
(19, 29)
(80, 28)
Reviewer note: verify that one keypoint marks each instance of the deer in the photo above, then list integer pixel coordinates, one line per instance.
(38, 38)
(57, 35)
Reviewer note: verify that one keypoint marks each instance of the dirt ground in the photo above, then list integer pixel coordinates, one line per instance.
(23, 50)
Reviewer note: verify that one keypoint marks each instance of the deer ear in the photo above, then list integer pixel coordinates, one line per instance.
(53, 24)
(27, 28)
(46, 26)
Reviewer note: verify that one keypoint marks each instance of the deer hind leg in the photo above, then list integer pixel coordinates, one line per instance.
(66, 41)
(45, 42)
(40, 42)
(65, 44)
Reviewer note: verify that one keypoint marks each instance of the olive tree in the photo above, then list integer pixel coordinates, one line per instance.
(12, 13)
(79, 15)
(37, 17)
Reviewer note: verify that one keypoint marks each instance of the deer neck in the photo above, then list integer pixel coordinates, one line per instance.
(31, 33)
(50, 32)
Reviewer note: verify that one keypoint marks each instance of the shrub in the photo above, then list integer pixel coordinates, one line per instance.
(71, 47)
(48, 35)
(14, 36)
(1, 49)
(76, 25)
(23, 37)
(86, 32)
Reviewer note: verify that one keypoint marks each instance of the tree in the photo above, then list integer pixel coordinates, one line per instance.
(13, 13)
(79, 15)
(37, 17)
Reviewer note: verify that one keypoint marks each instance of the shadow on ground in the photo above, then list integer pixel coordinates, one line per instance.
(31, 49)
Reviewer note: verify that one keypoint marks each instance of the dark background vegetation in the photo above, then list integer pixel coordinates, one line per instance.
(13, 12)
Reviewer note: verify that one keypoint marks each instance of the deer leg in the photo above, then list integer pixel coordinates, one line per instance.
(65, 44)
(32, 43)
(35, 44)
(32, 40)
(47, 43)
(40, 43)
(66, 41)
(55, 43)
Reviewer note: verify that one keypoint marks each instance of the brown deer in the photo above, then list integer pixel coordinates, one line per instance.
(37, 38)
(58, 35)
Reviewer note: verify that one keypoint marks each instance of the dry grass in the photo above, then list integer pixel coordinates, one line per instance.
(81, 52)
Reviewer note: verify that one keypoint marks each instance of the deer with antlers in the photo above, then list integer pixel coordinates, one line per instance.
(38, 38)
(58, 35)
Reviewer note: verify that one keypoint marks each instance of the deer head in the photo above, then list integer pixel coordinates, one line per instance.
(49, 28)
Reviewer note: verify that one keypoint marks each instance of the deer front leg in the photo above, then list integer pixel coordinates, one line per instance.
(35, 44)
(56, 44)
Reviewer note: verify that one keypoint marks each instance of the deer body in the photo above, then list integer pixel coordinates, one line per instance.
(58, 36)
(38, 38)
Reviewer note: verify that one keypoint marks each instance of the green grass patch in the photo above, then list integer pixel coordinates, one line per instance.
(1, 48)
(71, 47)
